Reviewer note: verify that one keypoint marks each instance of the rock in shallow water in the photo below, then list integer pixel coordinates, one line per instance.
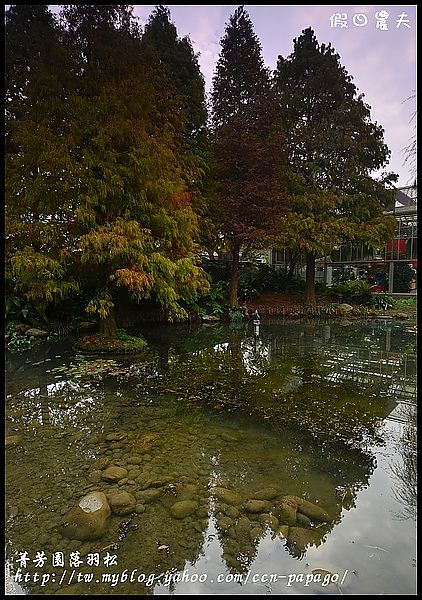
(227, 496)
(299, 539)
(114, 473)
(87, 520)
(121, 503)
(312, 511)
(286, 510)
(265, 494)
(257, 506)
(183, 509)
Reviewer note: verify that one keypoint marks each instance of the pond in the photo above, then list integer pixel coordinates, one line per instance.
(234, 463)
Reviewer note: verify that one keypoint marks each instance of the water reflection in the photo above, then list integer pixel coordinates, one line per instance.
(404, 470)
(229, 441)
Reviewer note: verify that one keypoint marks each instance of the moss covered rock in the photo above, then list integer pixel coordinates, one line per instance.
(87, 520)
(227, 496)
(183, 509)
(312, 511)
(121, 503)
(114, 473)
(300, 538)
(257, 506)
(286, 510)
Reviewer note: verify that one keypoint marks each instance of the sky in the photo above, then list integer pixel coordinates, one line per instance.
(381, 60)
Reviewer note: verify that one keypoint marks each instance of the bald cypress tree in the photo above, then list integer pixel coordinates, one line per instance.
(96, 199)
(248, 144)
(334, 147)
(179, 58)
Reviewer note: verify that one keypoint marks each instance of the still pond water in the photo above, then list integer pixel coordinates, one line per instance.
(212, 429)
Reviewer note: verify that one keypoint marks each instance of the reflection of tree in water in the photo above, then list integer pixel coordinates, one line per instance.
(405, 471)
(291, 442)
(287, 463)
(306, 383)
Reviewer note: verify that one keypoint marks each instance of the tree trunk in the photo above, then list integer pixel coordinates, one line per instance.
(108, 326)
(235, 275)
(310, 297)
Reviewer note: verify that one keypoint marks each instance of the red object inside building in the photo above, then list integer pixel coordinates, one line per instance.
(397, 245)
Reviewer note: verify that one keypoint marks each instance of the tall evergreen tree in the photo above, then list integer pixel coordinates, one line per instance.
(333, 149)
(37, 200)
(179, 57)
(114, 205)
(248, 144)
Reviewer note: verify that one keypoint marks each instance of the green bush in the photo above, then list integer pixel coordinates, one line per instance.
(236, 314)
(403, 275)
(255, 279)
(382, 301)
(211, 303)
(19, 310)
(354, 292)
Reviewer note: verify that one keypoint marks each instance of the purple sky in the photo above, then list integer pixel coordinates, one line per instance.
(381, 62)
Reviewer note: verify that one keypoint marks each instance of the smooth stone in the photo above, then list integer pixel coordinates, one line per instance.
(227, 496)
(265, 494)
(87, 520)
(187, 491)
(302, 520)
(230, 511)
(122, 481)
(257, 506)
(121, 503)
(286, 510)
(270, 520)
(114, 473)
(133, 474)
(312, 511)
(183, 509)
(140, 508)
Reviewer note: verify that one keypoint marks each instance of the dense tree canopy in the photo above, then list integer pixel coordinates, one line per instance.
(248, 144)
(333, 149)
(113, 174)
(96, 179)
